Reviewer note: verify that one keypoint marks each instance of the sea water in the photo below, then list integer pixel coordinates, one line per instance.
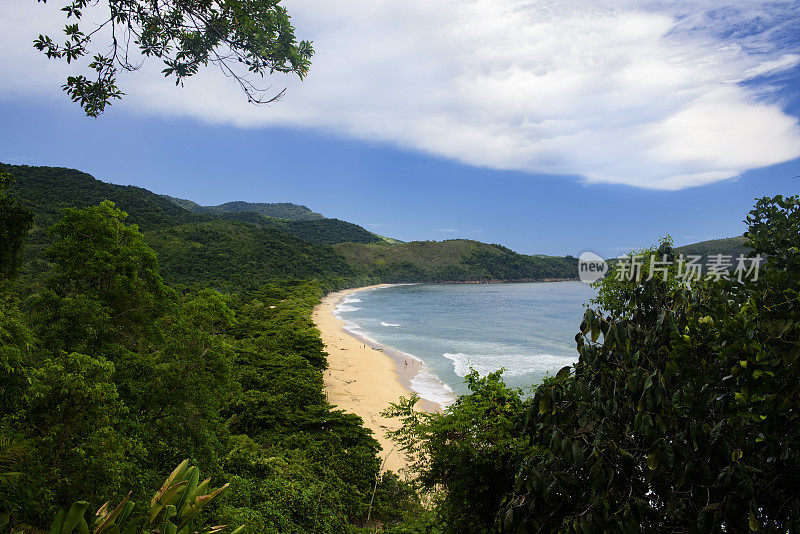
(527, 329)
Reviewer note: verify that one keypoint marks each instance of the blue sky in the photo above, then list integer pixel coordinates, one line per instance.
(606, 166)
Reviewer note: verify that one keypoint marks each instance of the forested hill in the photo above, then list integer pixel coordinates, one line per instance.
(226, 247)
(236, 255)
(48, 191)
(280, 210)
(454, 260)
(731, 246)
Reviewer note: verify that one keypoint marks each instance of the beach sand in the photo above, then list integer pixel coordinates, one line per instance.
(363, 378)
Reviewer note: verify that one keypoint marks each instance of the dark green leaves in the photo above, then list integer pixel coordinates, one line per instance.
(240, 37)
(15, 223)
(690, 405)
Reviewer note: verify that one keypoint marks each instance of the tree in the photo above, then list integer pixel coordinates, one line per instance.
(15, 223)
(73, 411)
(104, 283)
(773, 230)
(465, 453)
(241, 37)
(681, 414)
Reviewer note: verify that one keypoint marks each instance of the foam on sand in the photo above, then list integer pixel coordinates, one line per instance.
(343, 308)
(514, 364)
(431, 388)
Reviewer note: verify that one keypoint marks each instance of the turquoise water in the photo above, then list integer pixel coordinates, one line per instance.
(529, 329)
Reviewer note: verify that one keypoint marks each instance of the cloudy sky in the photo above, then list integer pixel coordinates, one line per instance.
(547, 126)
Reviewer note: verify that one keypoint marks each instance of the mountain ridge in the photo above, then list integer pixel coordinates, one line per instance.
(279, 210)
(248, 248)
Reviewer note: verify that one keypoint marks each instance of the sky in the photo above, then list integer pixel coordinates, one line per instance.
(551, 128)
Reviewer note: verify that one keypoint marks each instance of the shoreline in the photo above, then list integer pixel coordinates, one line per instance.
(363, 377)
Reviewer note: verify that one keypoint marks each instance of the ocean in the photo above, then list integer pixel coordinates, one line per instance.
(528, 329)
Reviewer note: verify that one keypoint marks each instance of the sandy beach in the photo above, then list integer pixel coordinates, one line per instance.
(363, 378)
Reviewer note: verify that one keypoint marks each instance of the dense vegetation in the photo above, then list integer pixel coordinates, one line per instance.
(731, 246)
(109, 377)
(319, 231)
(233, 254)
(279, 210)
(118, 362)
(681, 414)
(48, 191)
(455, 260)
(228, 246)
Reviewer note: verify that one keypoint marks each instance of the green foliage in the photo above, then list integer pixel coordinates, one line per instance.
(464, 454)
(297, 465)
(72, 408)
(773, 230)
(396, 501)
(232, 254)
(329, 232)
(110, 375)
(235, 247)
(278, 491)
(239, 37)
(16, 344)
(96, 255)
(454, 260)
(12, 453)
(15, 222)
(48, 191)
(279, 210)
(239, 250)
(174, 509)
(681, 414)
(424, 523)
(319, 232)
(619, 293)
(731, 246)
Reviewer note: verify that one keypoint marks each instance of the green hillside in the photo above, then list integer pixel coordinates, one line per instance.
(234, 254)
(255, 247)
(225, 246)
(280, 210)
(319, 231)
(455, 260)
(731, 246)
(47, 191)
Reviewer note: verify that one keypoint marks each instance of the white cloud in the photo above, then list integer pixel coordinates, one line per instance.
(612, 92)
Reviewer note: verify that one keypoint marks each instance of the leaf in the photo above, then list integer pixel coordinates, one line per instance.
(648, 383)
(753, 522)
(653, 460)
(58, 522)
(544, 403)
(75, 514)
(563, 372)
(108, 520)
(176, 474)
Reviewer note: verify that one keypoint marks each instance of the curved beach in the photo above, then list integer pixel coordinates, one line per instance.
(363, 378)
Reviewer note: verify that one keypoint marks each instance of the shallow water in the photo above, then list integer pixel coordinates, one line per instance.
(528, 329)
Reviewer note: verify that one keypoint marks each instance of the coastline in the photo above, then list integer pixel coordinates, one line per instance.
(363, 377)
